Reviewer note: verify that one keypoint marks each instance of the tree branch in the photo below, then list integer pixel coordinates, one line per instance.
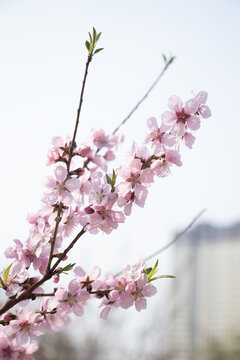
(175, 239)
(89, 59)
(145, 95)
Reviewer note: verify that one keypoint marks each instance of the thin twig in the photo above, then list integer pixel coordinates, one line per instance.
(58, 219)
(41, 295)
(137, 105)
(175, 239)
(145, 96)
(63, 255)
(89, 59)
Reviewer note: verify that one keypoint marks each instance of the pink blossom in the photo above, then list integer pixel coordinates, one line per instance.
(26, 326)
(159, 136)
(203, 109)
(92, 281)
(182, 117)
(100, 139)
(54, 319)
(17, 275)
(73, 298)
(26, 350)
(103, 218)
(62, 187)
(57, 151)
(8, 350)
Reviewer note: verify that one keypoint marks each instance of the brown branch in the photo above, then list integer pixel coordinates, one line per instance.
(41, 295)
(24, 295)
(63, 255)
(28, 294)
(58, 220)
(89, 59)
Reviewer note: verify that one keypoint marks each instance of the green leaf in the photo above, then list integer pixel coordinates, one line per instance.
(6, 272)
(94, 35)
(164, 58)
(153, 271)
(162, 277)
(2, 282)
(109, 180)
(90, 37)
(114, 177)
(147, 271)
(98, 36)
(166, 277)
(98, 50)
(68, 267)
(87, 44)
(172, 58)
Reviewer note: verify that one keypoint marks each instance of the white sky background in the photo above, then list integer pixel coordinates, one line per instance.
(41, 66)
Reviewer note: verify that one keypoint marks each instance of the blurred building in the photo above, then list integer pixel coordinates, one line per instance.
(205, 298)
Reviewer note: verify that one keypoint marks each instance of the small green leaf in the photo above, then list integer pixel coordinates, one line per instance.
(109, 180)
(6, 272)
(162, 277)
(87, 44)
(114, 177)
(98, 50)
(90, 37)
(172, 58)
(94, 35)
(2, 282)
(153, 271)
(98, 36)
(147, 271)
(164, 58)
(112, 181)
(68, 267)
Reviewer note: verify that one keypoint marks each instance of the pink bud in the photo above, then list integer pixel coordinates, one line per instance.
(56, 278)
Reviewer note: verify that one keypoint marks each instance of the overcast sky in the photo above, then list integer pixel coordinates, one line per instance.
(41, 67)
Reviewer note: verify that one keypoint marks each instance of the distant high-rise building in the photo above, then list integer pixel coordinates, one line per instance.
(206, 293)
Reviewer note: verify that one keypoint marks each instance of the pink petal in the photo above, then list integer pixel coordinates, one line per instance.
(73, 184)
(179, 129)
(189, 140)
(124, 187)
(57, 141)
(79, 271)
(73, 287)
(60, 173)
(140, 195)
(175, 103)
(49, 181)
(105, 312)
(152, 123)
(149, 290)
(113, 295)
(202, 97)
(174, 157)
(168, 118)
(78, 310)
(127, 300)
(61, 294)
(191, 106)
(193, 123)
(140, 304)
(22, 337)
(204, 111)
